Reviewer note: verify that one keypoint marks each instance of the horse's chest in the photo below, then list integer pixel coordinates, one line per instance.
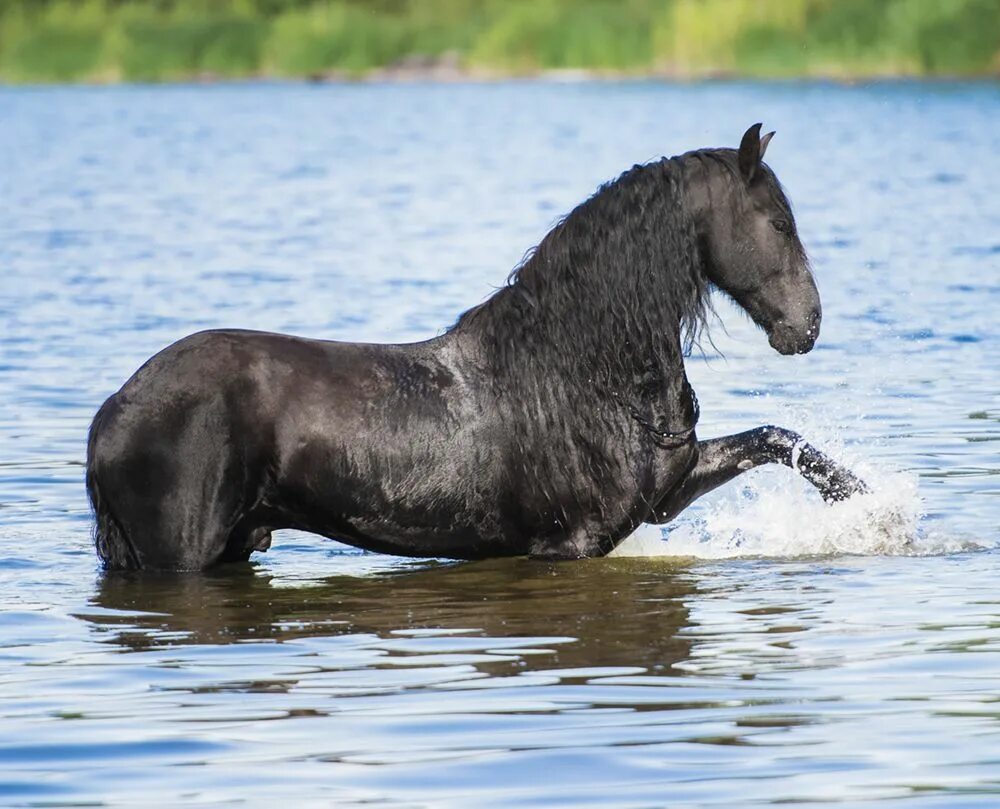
(670, 465)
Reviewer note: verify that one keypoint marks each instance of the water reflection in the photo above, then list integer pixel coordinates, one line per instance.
(611, 613)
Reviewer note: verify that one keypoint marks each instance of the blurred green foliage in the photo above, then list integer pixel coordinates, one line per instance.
(162, 40)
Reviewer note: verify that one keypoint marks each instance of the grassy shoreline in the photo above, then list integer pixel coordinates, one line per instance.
(378, 79)
(110, 41)
(472, 77)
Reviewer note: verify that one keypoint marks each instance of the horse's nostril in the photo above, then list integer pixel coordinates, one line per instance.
(814, 320)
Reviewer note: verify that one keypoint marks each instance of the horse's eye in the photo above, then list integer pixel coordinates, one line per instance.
(781, 225)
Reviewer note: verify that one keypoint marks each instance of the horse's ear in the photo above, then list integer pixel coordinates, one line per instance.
(763, 143)
(750, 152)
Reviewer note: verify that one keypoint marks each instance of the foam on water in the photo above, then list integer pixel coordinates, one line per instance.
(773, 512)
(776, 515)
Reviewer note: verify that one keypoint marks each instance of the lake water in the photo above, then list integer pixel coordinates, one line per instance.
(797, 654)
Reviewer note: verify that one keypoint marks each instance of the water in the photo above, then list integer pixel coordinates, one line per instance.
(797, 653)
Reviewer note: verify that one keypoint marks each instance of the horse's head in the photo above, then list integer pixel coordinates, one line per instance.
(752, 250)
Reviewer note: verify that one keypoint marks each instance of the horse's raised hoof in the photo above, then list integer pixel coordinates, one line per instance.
(843, 487)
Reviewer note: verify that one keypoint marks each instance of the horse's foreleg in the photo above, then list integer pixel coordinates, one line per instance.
(722, 459)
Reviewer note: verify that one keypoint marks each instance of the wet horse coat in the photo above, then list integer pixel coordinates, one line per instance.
(550, 421)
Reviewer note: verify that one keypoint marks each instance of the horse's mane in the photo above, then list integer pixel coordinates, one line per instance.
(604, 306)
(619, 273)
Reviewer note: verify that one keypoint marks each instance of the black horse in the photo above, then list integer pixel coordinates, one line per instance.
(551, 420)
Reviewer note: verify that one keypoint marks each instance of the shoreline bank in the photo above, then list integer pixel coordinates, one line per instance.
(440, 74)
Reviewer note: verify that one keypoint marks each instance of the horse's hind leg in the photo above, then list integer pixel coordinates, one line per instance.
(175, 489)
(177, 529)
(186, 527)
(722, 459)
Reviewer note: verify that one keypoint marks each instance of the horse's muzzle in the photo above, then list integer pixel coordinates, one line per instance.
(795, 338)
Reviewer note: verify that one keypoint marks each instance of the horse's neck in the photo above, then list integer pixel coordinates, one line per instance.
(618, 302)
(619, 342)
(607, 294)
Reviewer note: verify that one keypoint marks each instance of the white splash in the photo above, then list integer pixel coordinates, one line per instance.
(778, 515)
(773, 512)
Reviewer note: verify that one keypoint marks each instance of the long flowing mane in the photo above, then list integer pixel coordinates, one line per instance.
(599, 312)
(628, 254)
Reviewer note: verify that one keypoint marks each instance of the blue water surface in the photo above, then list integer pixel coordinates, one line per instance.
(132, 216)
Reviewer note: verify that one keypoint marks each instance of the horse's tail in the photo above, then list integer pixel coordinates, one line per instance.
(114, 548)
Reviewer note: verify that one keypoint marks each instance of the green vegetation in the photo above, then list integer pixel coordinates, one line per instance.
(163, 40)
